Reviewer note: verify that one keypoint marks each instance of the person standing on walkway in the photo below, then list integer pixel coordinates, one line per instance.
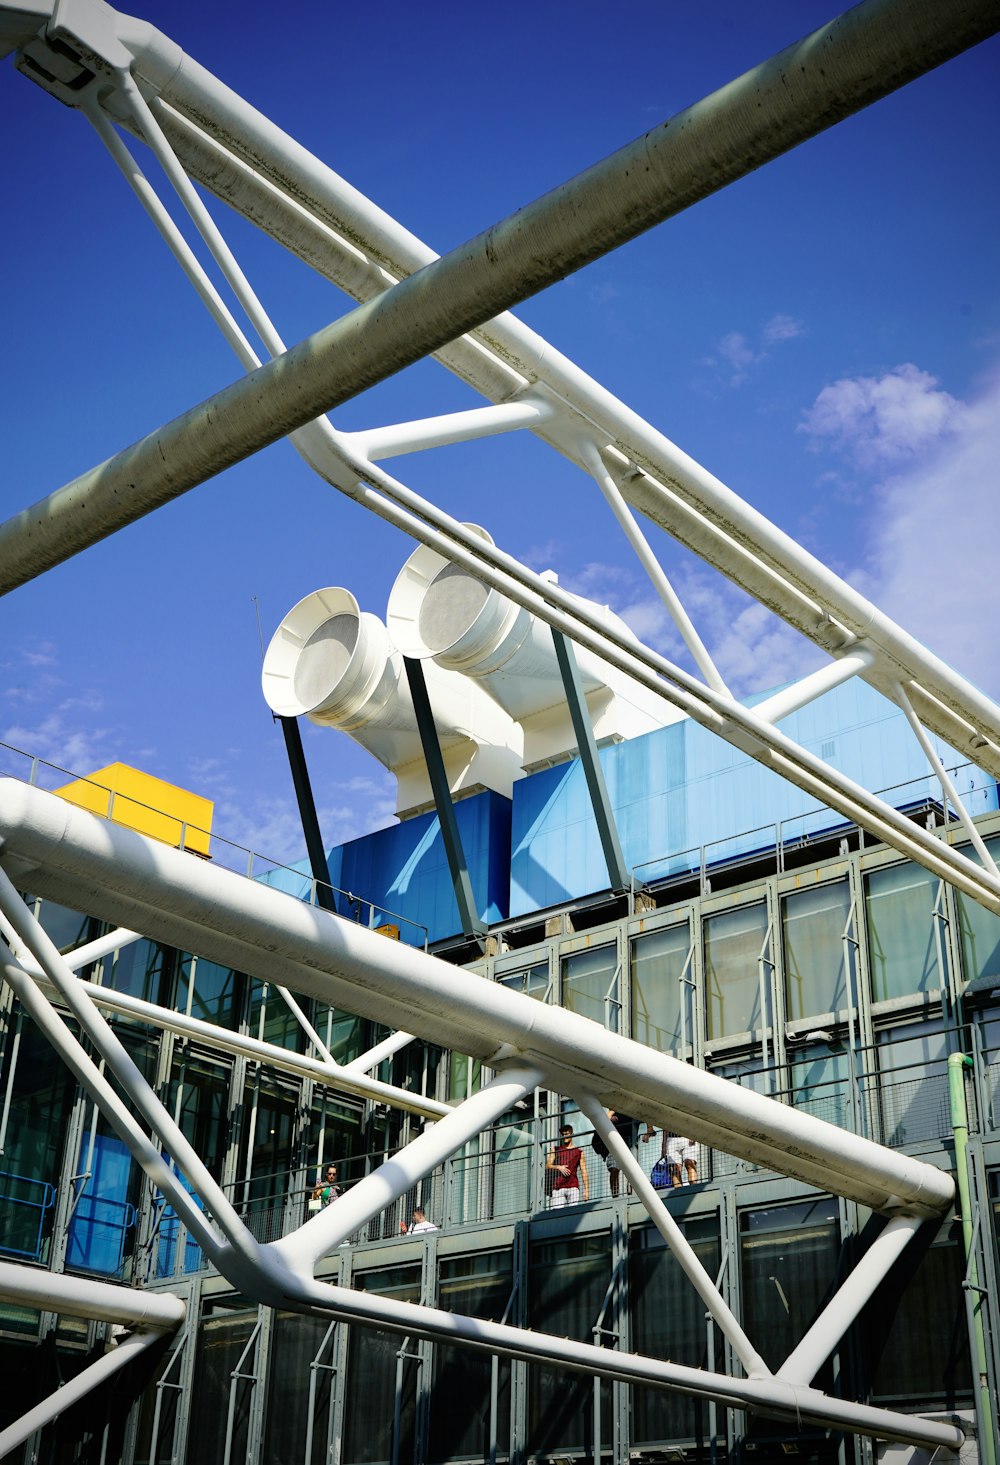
(569, 1171)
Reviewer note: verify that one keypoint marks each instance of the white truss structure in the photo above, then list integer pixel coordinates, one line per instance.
(124, 75)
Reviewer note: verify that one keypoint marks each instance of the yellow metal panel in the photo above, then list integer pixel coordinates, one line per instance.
(144, 803)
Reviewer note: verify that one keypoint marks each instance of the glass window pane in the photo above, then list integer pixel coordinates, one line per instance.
(902, 941)
(913, 1087)
(568, 1283)
(590, 985)
(41, 1097)
(533, 981)
(788, 1262)
(911, 1363)
(979, 929)
(66, 928)
(221, 1341)
(296, 1343)
(216, 991)
(821, 1082)
(812, 924)
(668, 1321)
(272, 1020)
(733, 942)
(372, 1379)
(144, 969)
(476, 1286)
(659, 992)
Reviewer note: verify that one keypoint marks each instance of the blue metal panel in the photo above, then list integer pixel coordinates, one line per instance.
(679, 790)
(103, 1217)
(403, 870)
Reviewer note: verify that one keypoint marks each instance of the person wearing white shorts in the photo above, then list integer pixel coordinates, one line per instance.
(682, 1157)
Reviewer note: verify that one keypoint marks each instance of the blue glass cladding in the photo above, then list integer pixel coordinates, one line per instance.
(679, 789)
(403, 870)
(673, 793)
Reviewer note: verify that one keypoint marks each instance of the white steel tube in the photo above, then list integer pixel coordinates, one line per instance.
(344, 1080)
(390, 441)
(806, 690)
(948, 788)
(365, 1062)
(132, 1081)
(661, 584)
(769, 1395)
(65, 851)
(672, 1234)
(351, 1211)
(87, 1298)
(814, 1347)
(75, 1389)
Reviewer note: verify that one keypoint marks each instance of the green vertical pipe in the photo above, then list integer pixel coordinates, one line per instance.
(957, 1063)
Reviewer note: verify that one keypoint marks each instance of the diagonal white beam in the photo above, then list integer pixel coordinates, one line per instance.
(672, 1234)
(369, 1197)
(74, 1390)
(814, 1348)
(661, 584)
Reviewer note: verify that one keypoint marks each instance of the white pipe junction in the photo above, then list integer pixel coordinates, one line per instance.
(278, 1274)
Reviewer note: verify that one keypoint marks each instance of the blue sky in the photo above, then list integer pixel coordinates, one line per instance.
(824, 336)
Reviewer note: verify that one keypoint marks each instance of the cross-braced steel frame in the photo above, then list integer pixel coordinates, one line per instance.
(126, 77)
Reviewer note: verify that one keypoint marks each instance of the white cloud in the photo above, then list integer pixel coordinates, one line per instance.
(933, 560)
(782, 328)
(883, 420)
(735, 348)
(66, 737)
(737, 351)
(752, 649)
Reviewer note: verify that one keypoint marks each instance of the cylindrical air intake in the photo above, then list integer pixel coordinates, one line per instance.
(335, 664)
(439, 611)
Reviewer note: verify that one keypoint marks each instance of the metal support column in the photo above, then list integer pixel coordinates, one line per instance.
(614, 859)
(471, 923)
(307, 812)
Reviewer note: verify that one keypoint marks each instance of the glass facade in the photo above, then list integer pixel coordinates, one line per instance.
(591, 983)
(903, 938)
(661, 989)
(382, 1374)
(841, 1008)
(817, 951)
(736, 990)
(570, 1282)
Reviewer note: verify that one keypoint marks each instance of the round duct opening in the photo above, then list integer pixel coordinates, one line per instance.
(449, 607)
(324, 658)
(315, 654)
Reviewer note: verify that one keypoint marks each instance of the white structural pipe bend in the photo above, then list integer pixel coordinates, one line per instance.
(847, 64)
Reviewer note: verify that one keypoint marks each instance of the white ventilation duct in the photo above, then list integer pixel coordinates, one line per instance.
(335, 664)
(439, 612)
